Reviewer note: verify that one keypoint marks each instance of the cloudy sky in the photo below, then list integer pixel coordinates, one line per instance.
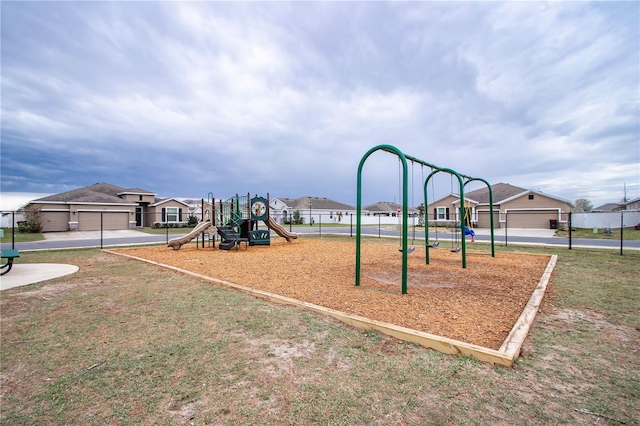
(186, 98)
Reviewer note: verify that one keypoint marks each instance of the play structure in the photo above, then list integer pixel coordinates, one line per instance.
(235, 221)
(404, 177)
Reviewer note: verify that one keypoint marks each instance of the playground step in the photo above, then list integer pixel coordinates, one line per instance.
(227, 245)
(227, 233)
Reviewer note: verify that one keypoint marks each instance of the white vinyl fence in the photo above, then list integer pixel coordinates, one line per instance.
(10, 219)
(605, 219)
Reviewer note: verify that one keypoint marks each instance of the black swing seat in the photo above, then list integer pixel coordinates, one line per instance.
(455, 250)
(434, 245)
(409, 250)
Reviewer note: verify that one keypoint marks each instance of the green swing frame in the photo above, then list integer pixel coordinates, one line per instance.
(405, 208)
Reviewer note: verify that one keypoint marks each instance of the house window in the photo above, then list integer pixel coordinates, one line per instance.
(531, 196)
(442, 213)
(139, 197)
(172, 214)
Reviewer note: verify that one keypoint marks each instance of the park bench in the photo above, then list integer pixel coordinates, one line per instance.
(9, 255)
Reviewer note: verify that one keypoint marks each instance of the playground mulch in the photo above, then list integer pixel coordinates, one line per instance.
(478, 305)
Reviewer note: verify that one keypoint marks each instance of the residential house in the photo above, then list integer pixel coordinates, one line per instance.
(522, 208)
(311, 209)
(633, 205)
(386, 208)
(105, 206)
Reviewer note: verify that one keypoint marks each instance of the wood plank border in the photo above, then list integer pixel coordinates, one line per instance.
(507, 354)
(513, 343)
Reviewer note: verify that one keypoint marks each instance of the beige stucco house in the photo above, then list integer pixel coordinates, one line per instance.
(105, 206)
(521, 208)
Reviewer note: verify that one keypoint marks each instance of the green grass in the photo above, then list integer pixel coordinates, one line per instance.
(20, 237)
(122, 342)
(628, 234)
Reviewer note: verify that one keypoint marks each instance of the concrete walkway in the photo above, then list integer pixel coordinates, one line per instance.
(30, 273)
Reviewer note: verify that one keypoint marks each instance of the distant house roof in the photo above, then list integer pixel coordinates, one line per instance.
(98, 193)
(318, 203)
(385, 207)
(609, 207)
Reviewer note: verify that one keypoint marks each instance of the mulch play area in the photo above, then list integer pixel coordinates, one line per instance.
(478, 305)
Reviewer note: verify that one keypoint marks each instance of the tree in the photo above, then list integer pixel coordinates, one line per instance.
(421, 214)
(297, 219)
(583, 205)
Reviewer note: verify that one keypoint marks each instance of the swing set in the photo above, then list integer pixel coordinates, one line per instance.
(404, 177)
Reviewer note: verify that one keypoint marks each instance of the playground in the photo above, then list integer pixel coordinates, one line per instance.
(483, 311)
(479, 304)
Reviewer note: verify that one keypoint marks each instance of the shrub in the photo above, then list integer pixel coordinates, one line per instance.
(193, 221)
(297, 219)
(32, 223)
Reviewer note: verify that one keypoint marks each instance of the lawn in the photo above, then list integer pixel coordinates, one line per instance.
(627, 234)
(122, 342)
(20, 237)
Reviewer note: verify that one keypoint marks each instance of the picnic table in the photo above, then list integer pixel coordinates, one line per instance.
(9, 255)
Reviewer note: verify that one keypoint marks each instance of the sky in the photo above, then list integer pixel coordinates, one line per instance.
(187, 98)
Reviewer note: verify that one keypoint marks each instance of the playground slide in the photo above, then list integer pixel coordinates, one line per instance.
(272, 224)
(176, 243)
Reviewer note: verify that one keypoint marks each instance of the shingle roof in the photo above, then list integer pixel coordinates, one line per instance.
(501, 191)
(609, 207)
(319, 203)
(385, 207)
(98, 193)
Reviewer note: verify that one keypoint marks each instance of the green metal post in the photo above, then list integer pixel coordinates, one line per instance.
(405, 208)
(426, 216)
(463, 243)
(471, 179)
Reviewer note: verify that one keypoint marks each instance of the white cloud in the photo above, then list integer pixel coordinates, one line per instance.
(519, 92)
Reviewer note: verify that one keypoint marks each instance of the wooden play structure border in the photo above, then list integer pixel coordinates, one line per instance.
(506, 355)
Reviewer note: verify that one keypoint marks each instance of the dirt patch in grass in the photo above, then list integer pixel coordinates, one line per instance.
(478, 305)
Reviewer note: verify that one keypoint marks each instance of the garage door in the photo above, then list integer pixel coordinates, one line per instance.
(484, 219)
(54, 221)
(531, 219)
(111, 221)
